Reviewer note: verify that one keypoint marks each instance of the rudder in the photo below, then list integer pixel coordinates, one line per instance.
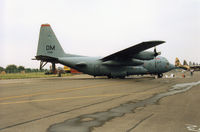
(185, 63)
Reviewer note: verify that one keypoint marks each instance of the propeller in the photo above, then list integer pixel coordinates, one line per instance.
(156, 53)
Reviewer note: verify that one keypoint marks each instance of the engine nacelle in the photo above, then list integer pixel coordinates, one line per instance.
(145, 55)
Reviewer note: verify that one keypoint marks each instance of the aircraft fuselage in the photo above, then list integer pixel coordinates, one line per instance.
(94, 66)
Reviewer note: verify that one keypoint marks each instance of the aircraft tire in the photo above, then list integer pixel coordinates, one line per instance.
(109, 77)
(160, 75)
(122, 77)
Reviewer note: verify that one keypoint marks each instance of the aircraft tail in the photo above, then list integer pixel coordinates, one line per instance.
(177, 62)
(185, 63)
(48, 45)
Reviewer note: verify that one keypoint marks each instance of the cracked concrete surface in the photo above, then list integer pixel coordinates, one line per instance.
(78, 124)
(100, 104)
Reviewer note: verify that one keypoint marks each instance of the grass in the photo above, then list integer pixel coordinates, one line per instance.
(28, 75)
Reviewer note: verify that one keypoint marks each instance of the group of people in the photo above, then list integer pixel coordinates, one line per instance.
(183, 75)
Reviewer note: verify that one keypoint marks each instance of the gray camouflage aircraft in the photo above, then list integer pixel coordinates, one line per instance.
(131, 61)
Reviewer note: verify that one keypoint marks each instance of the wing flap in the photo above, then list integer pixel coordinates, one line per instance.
(133, 50)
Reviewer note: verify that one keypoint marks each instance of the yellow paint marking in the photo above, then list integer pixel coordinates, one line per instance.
(56, 91)
(78, 97)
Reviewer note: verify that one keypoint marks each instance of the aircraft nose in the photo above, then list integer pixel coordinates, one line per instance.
(171, 66)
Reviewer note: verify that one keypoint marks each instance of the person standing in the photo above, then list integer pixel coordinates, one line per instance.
(191, 72)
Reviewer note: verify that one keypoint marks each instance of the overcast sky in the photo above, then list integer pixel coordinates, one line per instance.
(99, 27)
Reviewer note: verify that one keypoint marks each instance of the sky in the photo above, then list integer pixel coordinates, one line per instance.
(99, 27)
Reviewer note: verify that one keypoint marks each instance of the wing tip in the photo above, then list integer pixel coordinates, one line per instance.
(155, 41)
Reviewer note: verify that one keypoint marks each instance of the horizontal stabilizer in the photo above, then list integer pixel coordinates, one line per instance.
(47, 58)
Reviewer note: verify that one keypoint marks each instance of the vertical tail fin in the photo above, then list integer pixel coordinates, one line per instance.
(48, 45)
(177, 62)
(185, 63)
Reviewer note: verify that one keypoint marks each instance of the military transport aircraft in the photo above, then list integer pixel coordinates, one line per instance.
(185, 65)
(131, 61)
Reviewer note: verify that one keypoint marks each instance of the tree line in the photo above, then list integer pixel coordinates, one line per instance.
(17, 69)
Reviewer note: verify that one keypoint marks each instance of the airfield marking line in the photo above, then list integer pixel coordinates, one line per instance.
(57, 91)
(77, 97)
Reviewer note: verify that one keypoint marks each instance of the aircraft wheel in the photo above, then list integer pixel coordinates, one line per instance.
(160, 75)
(122, 77)
(109, 77)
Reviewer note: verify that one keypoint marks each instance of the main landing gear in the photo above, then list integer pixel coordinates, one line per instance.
(121, 77)
(160, 75)
(53, 68)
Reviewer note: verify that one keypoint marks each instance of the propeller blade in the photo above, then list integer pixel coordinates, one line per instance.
(155, 50)
(156, 53)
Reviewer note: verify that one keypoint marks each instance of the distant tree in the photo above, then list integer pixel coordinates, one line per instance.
(28, 70)
(41, 70)
(11, 69)
(1, 69)
(20, 68)
(35, 70)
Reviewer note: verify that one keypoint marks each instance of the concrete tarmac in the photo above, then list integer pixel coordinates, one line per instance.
(82, 103)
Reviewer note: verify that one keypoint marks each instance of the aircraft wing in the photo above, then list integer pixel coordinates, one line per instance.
(131, 51)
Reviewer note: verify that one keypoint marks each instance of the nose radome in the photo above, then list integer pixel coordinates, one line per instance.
(172, 66)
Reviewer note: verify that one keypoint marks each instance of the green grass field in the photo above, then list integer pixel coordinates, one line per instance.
(28, 75)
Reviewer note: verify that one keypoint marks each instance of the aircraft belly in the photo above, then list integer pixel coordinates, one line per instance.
(119, 74)
(102, 70)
